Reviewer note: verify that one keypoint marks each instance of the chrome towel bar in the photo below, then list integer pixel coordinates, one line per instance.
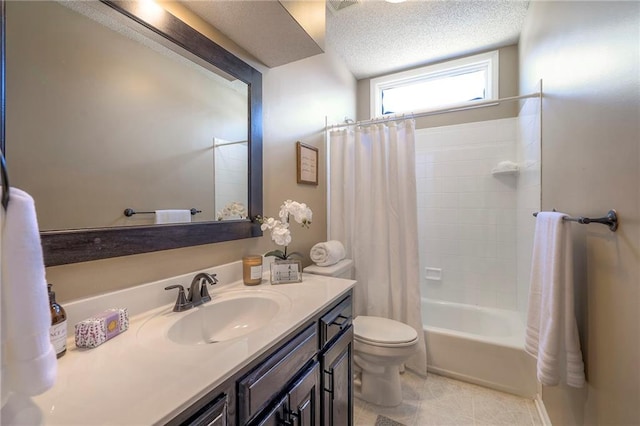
(131, 212)
(611, 220)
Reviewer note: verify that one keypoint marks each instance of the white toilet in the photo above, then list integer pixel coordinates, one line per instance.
(381, 347)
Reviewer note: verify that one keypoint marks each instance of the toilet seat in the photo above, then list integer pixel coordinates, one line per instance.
(383, 332)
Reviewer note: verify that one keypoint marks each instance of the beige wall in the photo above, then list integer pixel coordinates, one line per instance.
(508, 87)
(587, 54)
(296, 99)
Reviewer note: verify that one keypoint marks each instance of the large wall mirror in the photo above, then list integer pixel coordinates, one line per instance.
(118, 110)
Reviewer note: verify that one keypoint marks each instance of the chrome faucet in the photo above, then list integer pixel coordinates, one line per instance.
(198, 292)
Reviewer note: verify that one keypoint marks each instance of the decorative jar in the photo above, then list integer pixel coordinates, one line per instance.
(252, 269)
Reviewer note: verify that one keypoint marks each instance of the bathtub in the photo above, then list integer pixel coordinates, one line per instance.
(479, 345)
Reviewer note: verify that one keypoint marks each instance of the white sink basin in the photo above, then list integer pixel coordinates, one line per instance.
(228, 316)
(225, 320)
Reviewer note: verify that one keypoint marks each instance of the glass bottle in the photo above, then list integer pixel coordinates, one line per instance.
(58, 330)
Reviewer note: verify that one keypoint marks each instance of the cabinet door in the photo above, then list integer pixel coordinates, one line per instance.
(301, 405)
(277, 415)
(337, 382)
(304, 398)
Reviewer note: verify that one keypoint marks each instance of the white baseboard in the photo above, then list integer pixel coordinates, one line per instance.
(542, 411)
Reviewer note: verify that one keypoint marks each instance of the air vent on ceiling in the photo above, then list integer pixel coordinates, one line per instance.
(336, 6)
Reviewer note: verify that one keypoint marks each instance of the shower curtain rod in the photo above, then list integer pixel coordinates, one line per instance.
(229, 143)
(435, 111)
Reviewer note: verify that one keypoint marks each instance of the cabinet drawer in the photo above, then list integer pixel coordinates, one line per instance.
(257, 388)
(336, 320)
(210, 410)
(214, 414)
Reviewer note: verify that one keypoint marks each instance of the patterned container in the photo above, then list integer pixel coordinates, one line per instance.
(96, 330)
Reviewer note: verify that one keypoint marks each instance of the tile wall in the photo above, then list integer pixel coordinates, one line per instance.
(230, 174)
(467, 216)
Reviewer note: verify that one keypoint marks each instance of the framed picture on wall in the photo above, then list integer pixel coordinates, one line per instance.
(307, 167)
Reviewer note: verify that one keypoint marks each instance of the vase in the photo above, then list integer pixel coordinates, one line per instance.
(284, 271)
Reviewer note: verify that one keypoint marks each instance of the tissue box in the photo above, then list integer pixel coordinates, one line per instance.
(96, 330)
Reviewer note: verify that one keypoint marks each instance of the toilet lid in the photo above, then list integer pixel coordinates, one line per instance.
(330, 271)
(382, 330)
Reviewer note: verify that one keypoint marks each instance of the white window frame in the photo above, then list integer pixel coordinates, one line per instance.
(489, 61)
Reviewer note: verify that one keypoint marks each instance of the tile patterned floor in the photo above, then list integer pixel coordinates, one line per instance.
(438, 400)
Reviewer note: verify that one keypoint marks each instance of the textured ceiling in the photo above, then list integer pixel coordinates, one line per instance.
(372, 36)
(375, 37)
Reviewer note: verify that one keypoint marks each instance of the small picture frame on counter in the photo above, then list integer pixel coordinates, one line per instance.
(286, 271)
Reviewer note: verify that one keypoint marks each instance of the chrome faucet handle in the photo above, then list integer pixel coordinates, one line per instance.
(181, 302)
(204, 292)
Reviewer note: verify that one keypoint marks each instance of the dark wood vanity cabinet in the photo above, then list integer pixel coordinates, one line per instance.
(304, 398)
(300, 406)
(337, 390)
(336, 360)
(305, 381)
(212, 410)
(289, 369)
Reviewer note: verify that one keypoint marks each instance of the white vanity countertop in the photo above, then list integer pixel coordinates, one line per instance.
(130, 381)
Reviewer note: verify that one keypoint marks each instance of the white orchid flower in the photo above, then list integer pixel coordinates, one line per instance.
(280, 232)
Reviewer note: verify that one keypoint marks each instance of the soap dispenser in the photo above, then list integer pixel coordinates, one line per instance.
(58, 330)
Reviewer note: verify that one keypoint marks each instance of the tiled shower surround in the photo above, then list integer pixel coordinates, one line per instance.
(468, 217)
(230, 174)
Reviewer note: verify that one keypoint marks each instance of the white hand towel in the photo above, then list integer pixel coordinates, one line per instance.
(552, 332)
(327, 253)
(173, 216)
(28, 359)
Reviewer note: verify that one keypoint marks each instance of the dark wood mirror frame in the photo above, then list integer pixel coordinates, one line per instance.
(81, 245)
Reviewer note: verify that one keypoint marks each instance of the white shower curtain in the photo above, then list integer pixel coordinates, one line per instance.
(373, 212)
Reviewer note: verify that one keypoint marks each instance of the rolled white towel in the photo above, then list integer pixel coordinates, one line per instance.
(327, 253)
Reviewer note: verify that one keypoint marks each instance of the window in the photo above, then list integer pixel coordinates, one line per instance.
(450, 83)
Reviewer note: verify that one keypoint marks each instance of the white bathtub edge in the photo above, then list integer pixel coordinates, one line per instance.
(495, 360)
(514, 338)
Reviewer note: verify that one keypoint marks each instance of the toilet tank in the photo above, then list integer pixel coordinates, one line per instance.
(342, 269)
